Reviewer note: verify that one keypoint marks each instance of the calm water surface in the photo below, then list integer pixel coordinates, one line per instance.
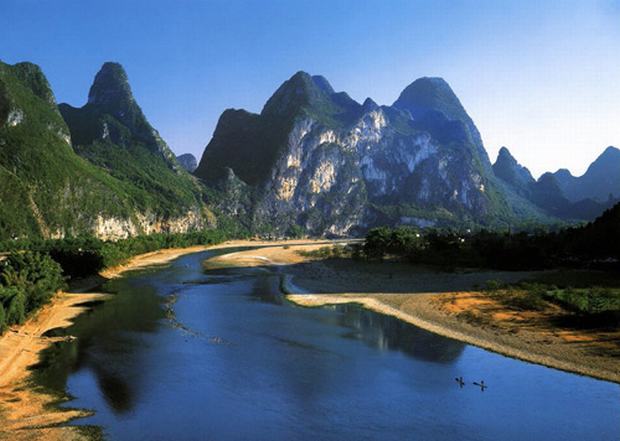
(180, 355)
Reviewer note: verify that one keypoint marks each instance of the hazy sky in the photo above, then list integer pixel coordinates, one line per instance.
(541, 77)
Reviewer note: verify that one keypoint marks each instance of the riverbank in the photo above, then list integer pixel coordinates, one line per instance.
(447, 304)
(29, 413)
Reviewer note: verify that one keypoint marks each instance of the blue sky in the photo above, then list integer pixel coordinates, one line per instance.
(541, 77)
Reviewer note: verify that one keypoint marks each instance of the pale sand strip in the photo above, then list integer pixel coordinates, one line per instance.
(493, 342)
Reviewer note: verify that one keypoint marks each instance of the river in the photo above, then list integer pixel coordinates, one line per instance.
(178, 354)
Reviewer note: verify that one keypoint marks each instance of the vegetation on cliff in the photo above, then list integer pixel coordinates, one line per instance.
(111, 131)
(45, 188)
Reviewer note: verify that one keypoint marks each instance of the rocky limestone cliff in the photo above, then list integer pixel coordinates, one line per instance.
(320, 160)
(115, 228)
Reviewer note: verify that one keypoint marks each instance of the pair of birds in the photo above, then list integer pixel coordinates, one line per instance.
(481, 385)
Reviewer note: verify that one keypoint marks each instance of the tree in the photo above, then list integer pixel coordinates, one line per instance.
(16, 307)
(2, 319)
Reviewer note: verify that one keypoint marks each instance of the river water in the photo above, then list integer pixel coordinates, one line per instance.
(178, 354)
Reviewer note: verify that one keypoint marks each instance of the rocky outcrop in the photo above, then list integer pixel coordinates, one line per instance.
(318, 159)
(113, 228)
(15, 117)
(188, 162)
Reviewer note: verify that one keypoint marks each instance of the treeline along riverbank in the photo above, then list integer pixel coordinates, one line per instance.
(34, 270)
(593, 296)
(595, 245)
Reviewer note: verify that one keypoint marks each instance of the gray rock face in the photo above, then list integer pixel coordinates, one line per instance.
(319, 159)
(111, 90)
(16, 116)
(188, 162)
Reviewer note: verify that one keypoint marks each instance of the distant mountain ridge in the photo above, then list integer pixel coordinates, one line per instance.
(510, 171)
(600, 182)
(560, 194)
(317, 159)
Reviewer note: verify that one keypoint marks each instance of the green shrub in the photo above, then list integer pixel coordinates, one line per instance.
(2, 319)
(16, 308)
(27, 281)
(587, 301)
(37, 275)
(328, 252)
(493, 285)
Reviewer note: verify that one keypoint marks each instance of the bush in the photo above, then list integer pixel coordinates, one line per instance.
(27, 281)
(2, 319)
(587, 301)
(493, 285)
(328, 252)
(37, 275)
(13, 304)
(16, 309)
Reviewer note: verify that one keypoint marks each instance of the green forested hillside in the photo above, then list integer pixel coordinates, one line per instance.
(42, 181)
(47, 190)
(112, 132)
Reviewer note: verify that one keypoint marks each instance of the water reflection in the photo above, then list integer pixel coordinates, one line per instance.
(116, 390)
(388, 333)
(107, 333)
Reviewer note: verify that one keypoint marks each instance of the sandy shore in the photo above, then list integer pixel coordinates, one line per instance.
(30, 414)
(446, 304)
